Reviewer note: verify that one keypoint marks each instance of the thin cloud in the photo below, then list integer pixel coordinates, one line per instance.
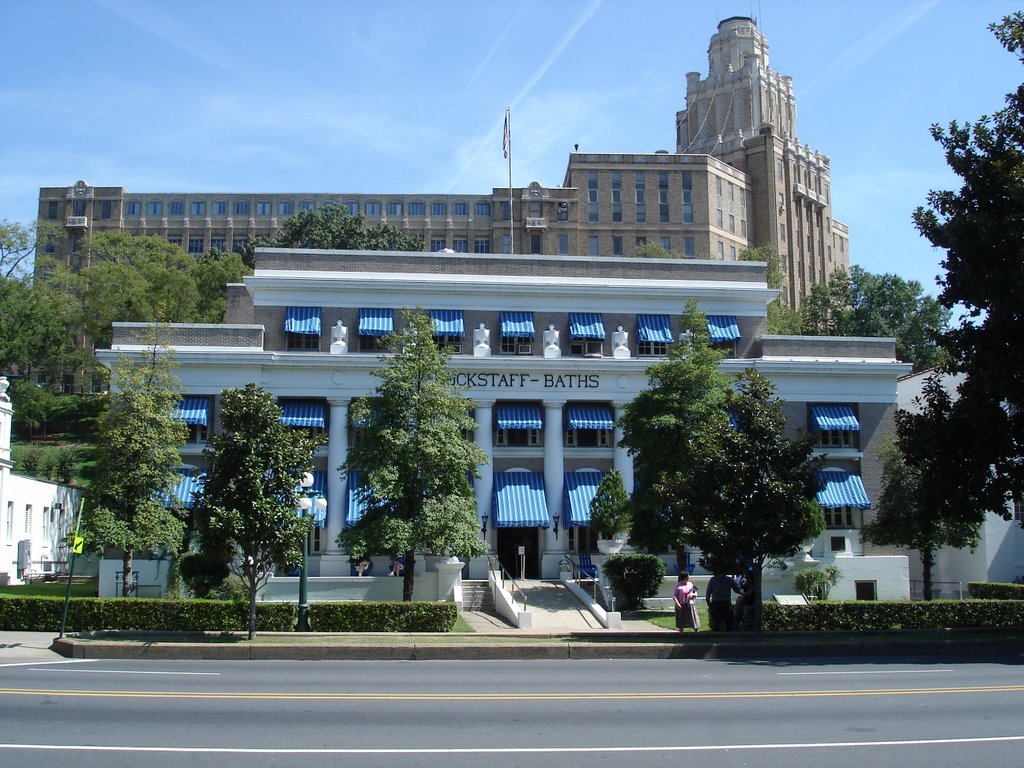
(185, 37)
(492, 52)
(868, 45)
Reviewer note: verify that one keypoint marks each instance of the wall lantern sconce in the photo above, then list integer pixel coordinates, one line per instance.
(555, 519)
(483, 528)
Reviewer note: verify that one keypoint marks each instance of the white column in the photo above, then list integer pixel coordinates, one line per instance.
(554, 469)
(483, 486)
(337, 453)
(621, 460)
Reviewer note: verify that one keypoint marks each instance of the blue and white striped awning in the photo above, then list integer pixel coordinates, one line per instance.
(193, 410)
(447, 322)
(839, 417)
(376, 322)
(842, 489)
(184, 490)
(518, 500)
(356, 502)
(519, 416)
(302, 320)
(723, 328)
(303, 413)
(517, 325)
(653, 328)
(580, 489)
(586, 325)
(590, 416)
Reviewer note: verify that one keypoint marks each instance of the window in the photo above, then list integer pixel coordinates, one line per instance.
(687, 197)
(51, 209)
(721, 250)
(373, 207)
(563, 211)
(10, 520)
(174, 240)
(177, 208)
(640, 185)
(666, 243)
(460, 244)
(517, 438)
(588, 438)
(154, 208)
(307, 205)
(616, 196)
(689, 249)
(535, 244)
(506, 210)
(28, 518)
(239, 243)
(220, 208)
(865, 590)
(132, 208)
(592, 199)
(483, 208)
(302, 342)
(583, 347)
(506, 244)
(416, 208)
(563, 245)
(394, 208)
(262, 207)
(197, 433)
(352, 206)
(1018, 510)
(460, 209)
(663, 197)
(241, 207)
(217, 243)
(782, 232)
(437, 244)
(197, 208)
(195, 245)
(833, 438)
(285, 207)
(732, 252)
(841, 517)
(617, 245)
(593, 245)
(106, 207)
(482, 245)
(438, 208)
(652, 348)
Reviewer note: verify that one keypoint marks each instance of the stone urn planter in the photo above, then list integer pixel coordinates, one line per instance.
(613, 545)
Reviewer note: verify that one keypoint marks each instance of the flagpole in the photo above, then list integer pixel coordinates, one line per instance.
(508, 154)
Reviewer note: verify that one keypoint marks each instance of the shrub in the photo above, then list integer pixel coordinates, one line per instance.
(382, 617)
(609, 509)
(818, 582)
(987, 590)
(894, 614)
(203, 573)
(65, 463)
(635, 577)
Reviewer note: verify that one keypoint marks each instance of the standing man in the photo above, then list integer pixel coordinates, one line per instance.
(719, 600)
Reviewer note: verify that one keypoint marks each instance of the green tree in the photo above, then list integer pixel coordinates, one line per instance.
(860, 303)
(211, 274)
(665, 427)
(18, 245)
(783, 320)
(609, 509)
(249, 500)
(981, 229)
(817, 582)
(756, 489)
(37, 322)
(414, 458)
(656, 251)
(930, 481)
(334, 227)
(137, 462)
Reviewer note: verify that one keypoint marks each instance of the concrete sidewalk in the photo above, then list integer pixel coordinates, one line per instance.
(26, 647)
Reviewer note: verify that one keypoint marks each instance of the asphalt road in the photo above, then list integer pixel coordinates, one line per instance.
(908, 712)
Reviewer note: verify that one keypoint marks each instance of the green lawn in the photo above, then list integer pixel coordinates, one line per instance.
(51, 589)
(667, 619)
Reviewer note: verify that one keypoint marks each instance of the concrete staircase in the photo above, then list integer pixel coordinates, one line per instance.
(477, 597)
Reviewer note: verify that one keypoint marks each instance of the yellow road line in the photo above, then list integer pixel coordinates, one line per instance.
(349, 696)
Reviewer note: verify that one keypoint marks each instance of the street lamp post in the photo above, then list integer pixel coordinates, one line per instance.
(311, 501)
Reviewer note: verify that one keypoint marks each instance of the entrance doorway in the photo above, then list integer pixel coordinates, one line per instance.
(508, 544)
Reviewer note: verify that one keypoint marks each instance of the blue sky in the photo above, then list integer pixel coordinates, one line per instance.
(406, 97)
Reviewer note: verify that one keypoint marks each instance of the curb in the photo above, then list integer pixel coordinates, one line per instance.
(565, 647)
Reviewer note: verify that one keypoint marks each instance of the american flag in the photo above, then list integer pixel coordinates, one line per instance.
(504, 141)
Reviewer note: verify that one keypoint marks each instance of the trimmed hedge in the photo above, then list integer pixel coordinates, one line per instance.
(829, 616)
(382, 617)
(42, 614)
(990, 590)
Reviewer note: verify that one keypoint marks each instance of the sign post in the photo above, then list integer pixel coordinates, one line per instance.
(77, 545)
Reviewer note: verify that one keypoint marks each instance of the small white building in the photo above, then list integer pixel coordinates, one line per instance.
(999, 556)
(36, 516)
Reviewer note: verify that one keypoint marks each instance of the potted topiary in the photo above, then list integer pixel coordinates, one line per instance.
(609, 514)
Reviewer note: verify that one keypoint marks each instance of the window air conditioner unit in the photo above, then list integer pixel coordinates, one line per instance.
(524, 349)
(455, 348)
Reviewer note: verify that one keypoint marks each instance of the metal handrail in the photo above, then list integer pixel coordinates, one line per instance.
(493, 564)
(578, 576)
